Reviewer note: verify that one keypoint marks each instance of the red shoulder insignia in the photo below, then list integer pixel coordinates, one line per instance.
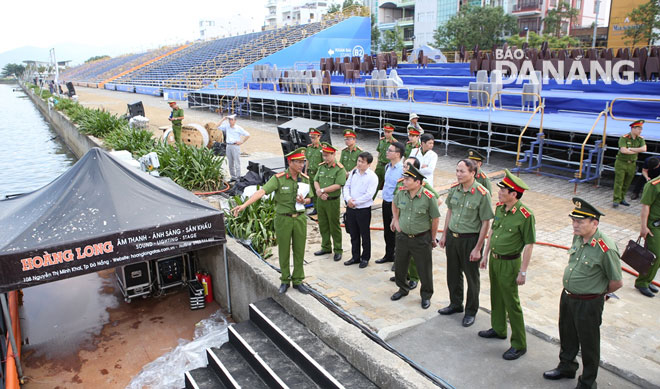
(525, 212)
(281, 174)
(640, 137)
(472, 191)
(359, 148)
(513, 210)
(483, 190)
(402, 188)
(602, 245)
(499, 203)
(304, 175)
(310, 145)
(322, 163)
(339, 164)
(656, 182)
(428, 194)
(627, 136)
(454, 184)
(400, 180)
(593, 242)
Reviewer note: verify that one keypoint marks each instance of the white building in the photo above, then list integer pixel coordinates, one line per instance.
(282, 13)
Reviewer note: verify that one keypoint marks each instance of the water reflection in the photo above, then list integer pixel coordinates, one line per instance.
(32, 155)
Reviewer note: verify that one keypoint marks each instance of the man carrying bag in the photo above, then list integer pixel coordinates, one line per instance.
(650, 231)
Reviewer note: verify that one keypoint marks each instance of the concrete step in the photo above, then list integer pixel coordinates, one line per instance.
(202, 378)
(265, 350)
(235, 366)
(331, 361)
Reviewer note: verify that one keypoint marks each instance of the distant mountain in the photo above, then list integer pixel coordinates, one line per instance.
(73, 52)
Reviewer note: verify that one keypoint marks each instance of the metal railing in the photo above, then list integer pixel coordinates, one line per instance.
(539, 108)
(603, 114)
(611, 108)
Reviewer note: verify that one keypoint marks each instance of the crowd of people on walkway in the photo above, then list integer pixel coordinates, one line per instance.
(474, 235)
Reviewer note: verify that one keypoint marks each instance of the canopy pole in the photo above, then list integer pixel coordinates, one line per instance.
(224, 253)
(10, 332)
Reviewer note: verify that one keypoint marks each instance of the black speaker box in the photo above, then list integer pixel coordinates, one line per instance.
(136, 109)
(72, 90)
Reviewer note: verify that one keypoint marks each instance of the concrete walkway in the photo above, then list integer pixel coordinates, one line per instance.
(630, 339)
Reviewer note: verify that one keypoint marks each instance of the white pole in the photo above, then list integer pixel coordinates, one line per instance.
(593, 39)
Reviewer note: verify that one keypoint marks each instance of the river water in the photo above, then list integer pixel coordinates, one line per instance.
(32, 155)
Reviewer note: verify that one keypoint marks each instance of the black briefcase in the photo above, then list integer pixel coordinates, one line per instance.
(638, 256)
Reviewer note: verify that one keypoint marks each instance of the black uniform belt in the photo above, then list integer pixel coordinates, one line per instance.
(627, 161)
(332, 198)
(416, 235)
(582, 296)
(292, 214)
(459, 236)
(506, 257)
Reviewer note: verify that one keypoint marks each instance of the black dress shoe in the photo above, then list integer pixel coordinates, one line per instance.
(283, 288)
(512, 354)
(337, 257)
(313, 212)
(322, 252)
(490, 333)
(556, 374)
(615, 205)
(393, 278)
(449, 310)
(426, 303)
(301, 288)
(468, 320)
(363, 264)
(392, 267)
(351, 262)
(385, 259)
(645, 291)
(624, 203)
(412, 285)
(397, 295)
(653, 288)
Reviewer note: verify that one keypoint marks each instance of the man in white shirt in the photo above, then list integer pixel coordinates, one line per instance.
(361, 185)
(235, 136)
(426, 156)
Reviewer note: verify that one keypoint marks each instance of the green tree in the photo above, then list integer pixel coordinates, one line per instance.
(96, 58)
(535, 40)
(375, 35)
(348, 3)
(334, 8)
(558, 19)
(13, 69)
(392, 40)
(484, 26)
(645, 19)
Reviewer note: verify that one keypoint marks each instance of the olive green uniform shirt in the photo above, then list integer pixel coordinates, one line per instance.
(592, 265)
(482, 178)
(513, 229)
(349, 158)
(415, 214)
(330, 175)
(314, 156)
(382, 147)
(176, 113)
(286, 191)
(650, 197)
(628, 141)
(468, 208)
(410, 146)
(425, 185)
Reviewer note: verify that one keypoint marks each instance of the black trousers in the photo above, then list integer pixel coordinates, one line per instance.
(389, 235)
(358, 221)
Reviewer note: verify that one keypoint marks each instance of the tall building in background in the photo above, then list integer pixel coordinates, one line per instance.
(282, 13)
(619, 22)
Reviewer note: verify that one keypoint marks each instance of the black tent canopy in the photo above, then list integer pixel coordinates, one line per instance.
(99, 214)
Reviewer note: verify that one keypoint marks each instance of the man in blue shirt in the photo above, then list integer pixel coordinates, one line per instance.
(393, 172)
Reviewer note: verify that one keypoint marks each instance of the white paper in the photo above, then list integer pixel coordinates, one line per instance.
(303, 190)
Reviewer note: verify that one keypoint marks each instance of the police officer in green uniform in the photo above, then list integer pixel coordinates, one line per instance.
(328, 182)
(413, 140)
(383, 145)
(651, 233)
(314, 158)
(513, 232)
(593, 270)
(415, 219)
(176, 117)
(466, 226)
(290, 221)
(349, 155)
(630, 145)
(481, 177)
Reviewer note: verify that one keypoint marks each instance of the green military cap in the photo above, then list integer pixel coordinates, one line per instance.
(637, 123)
(583, 210)
(474, 154)
(327, 147)
(413, 173)
(388, 127)
(513, 182)
(171, 102)
(297, 154)
(348, 133)
(412, 130)
(314, 131)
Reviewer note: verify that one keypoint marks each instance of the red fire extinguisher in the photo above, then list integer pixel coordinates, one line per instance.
(205, 279)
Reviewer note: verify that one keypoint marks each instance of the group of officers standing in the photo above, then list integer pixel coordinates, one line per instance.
(411, 217)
